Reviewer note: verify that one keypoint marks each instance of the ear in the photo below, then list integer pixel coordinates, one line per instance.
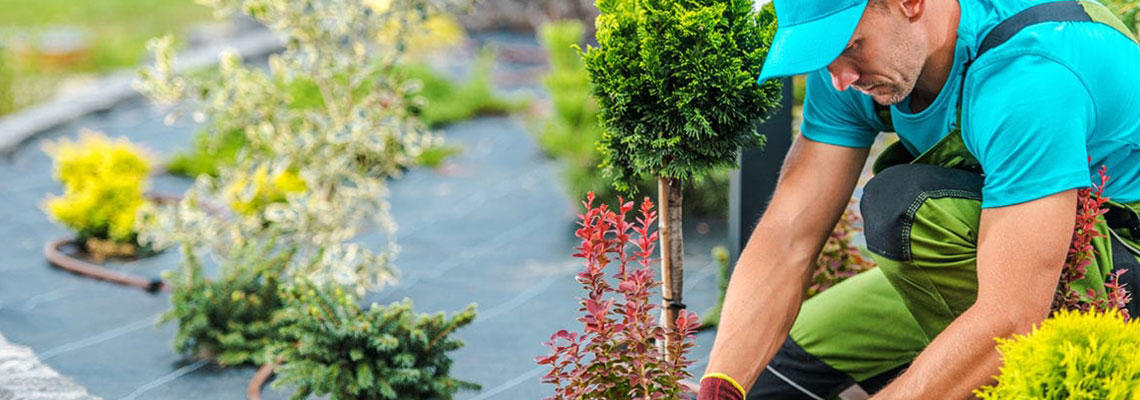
(911, 9)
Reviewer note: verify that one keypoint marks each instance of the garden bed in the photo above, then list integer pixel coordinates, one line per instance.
(104, 337)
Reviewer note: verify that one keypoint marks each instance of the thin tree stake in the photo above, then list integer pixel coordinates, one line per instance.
(672, 253)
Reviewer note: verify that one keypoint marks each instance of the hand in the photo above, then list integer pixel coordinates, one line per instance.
(716, 388)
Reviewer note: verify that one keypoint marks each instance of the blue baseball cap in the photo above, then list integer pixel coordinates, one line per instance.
(810, 34)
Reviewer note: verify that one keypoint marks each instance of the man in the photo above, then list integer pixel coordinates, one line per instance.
(1004, 108)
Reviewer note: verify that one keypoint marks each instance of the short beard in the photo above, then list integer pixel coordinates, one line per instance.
(909, 52)
(895, 92)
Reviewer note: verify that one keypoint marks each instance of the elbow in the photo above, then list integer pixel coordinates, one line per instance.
(788, 243)
(792, 237)
(1026, 318)
(1015, 316)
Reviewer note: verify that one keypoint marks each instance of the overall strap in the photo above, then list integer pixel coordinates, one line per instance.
(1057, 11)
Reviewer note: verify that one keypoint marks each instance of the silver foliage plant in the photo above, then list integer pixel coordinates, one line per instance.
(345, 148)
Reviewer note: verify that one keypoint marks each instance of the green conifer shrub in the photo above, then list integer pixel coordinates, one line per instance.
(229, 319)
(330, 346)
(675, 82)
(1072, 355)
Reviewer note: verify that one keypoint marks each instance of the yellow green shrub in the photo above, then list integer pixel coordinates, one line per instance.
(1071, 356)
(434, 32)
(103, 185)
(250, 195)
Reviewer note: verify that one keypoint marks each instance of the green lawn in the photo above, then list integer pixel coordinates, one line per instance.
(117, 31)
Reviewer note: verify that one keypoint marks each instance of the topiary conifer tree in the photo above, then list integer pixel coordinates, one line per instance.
(676, 86)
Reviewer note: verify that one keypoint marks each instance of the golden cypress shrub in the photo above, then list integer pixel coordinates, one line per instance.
(1071, 356)
(103, 185)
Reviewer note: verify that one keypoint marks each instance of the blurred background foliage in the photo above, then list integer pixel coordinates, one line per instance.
(52, 45)
(46, 45)
(1127, 10)
(438, 99)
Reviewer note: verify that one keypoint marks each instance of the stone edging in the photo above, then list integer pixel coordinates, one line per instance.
(18, 127)
(24, 376)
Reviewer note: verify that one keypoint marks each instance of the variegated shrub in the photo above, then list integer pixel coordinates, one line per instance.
(338, 150)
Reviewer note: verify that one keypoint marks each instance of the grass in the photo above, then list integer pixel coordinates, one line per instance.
(116, 31)
(7, 77)
(433, 157)
(208, 154)
(448, 102)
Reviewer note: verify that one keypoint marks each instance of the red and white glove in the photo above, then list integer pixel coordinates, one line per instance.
(717, 386)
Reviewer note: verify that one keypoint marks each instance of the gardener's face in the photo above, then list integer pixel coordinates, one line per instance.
(884, 57)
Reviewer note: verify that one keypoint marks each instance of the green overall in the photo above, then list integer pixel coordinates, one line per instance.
(921, 222)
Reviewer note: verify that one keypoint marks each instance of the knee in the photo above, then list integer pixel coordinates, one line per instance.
(892, 198)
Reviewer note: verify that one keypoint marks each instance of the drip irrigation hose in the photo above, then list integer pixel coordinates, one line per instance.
(253, 391)
(57, 257)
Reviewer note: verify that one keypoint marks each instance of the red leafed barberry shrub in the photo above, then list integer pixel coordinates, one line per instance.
(1090, 208)
(616, 356)
(840, 258)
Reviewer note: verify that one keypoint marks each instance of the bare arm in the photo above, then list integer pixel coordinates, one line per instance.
(768, 284)
(1021, 249)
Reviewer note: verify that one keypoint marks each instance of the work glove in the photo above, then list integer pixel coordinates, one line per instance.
(720, 387)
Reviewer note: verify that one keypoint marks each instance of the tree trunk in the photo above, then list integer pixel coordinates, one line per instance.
(672, 264)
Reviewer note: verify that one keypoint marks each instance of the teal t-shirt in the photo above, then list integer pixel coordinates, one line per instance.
(1035, 109)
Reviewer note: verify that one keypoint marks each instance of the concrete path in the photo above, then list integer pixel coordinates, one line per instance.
(24, 376)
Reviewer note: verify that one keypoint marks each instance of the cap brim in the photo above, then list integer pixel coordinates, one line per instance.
(809, 46)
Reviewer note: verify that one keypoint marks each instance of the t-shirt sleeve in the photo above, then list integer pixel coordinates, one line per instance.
(844, 118)
(1027, 120)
